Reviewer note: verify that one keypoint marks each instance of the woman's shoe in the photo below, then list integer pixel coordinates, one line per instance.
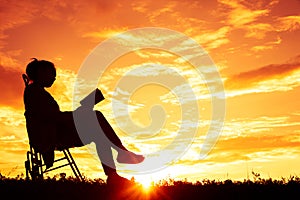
(117, 180)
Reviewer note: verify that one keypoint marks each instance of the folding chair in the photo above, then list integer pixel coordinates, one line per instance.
(35, 168)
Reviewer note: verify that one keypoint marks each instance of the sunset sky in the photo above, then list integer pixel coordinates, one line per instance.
(253, 44)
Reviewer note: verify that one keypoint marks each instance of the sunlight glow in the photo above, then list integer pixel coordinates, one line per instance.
(146, 183)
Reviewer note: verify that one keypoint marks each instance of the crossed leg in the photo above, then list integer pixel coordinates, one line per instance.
(104, 149)
(105, 139)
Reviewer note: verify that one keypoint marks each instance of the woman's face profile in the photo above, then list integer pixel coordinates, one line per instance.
(46, 77)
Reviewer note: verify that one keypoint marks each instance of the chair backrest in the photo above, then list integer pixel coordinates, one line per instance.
(26, 82)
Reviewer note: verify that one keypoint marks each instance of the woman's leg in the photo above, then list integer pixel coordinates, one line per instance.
(105, 154)
(104, 139)
(109, 132)
(68, 137)
(124, 155)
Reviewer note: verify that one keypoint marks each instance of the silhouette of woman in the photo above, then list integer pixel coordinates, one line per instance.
(50, 129)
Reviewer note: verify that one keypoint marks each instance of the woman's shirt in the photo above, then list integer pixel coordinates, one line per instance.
(41, 113)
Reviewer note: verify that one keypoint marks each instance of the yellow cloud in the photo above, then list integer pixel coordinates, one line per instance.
(267, 46)
(276, 77)
(105, 33)
(241, 15)
(288, 23)
(8, 61)
(244, 127)
(62, 89)
(258, 30)
(213, 39)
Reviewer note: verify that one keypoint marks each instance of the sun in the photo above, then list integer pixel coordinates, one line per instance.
(147, 184)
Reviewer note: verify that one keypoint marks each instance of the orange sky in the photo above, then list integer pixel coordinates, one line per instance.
(255, 46)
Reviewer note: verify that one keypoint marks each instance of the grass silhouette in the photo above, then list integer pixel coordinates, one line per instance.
(62, 187)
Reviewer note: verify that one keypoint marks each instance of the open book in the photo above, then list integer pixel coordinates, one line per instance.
(92, 99)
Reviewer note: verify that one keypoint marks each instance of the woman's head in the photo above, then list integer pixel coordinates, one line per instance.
(42, 72)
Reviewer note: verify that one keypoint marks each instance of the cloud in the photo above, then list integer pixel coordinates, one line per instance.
(12, 87)
(105, 33)
(252, 18)
(243, 137)
(285, 76)
(255, 140)
(13, 138)
(13, 14)
(7, 60)
(257, 144)
(240, 14)
(81, 16)
(266, 46)
(288, 23)
(16, 13)
(150, 55)
(188, 20)
(12, 118)
(243, 127)
(214, 38)
(253, 147)
(258, 30)
(62, 89)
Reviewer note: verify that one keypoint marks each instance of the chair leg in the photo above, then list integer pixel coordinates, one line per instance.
(72, 164)
(33, 165)
(27, 167)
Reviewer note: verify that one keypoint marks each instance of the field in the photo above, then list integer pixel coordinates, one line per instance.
(69, 188)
